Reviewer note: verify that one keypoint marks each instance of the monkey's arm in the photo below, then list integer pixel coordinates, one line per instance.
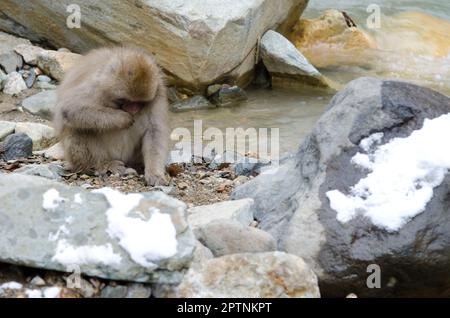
(155, 146)
(93, 118)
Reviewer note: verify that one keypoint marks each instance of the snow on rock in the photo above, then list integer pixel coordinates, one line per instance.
(145, 241)
(402, 176)
(77, 198)
(51, 199)
(11, 285)
(67, 254)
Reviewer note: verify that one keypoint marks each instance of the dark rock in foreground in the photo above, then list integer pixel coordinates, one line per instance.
(292, 205)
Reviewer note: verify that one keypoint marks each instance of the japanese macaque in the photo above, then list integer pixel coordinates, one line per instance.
(111, 114)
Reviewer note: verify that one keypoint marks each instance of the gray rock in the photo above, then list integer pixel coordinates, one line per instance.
(225, 157)
(257, 275)
(50, 171)
(16, 146)
(229, 96)
(41, 104)
(138, 291)
(283, 60)
(119, 291)
(14, 84)
(247, 166)
(2, 79)
(239, 210)
(42, 135)
(193, 103)
(29, 53)
(45, 86)
(37, 281)
(55, 64)
(201, 255)
(11, 61)
(30, 78)
(6, 128)
(195, 41)
(224, 237)
(31, 234)
(300, 216)
(8, 42)
(44, 79)
(212, 89)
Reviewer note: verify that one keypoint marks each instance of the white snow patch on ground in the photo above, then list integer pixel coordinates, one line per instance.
(403, 174)
(67, 254)
(55, 236)
(11, 285)
(51, 199)
(77, 198)
(33, 293)
(51, 292)
(145, 240)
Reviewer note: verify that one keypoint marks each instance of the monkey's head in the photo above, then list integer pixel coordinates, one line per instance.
(134, 83)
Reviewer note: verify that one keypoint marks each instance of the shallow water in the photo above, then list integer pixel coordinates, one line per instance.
(409, 48)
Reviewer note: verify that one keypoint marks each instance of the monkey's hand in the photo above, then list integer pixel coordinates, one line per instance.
(153, 179)
(123, 120)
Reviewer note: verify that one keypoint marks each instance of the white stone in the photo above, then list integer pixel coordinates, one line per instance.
(14, 84)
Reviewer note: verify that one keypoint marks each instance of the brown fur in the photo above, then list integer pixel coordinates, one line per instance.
(96, 132)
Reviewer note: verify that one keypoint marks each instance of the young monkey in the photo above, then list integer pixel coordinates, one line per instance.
(111, 114)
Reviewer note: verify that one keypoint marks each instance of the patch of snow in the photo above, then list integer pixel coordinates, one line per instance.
(145, 240)
(77, 198)
(67, 254)
(367, 143)
(403, 174)
(11, 285)
(51, 199)
(33, 293)
(51, 292)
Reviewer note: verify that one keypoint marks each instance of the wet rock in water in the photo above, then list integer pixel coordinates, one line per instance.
(413, 254)
(56, 64)
(42, 135)
(6, 128)
(16, 146)
(46, 224)
(50, 171)
(229, 96)
(14, 84)
(41, 104)
(194, 36)
(119, 291)
(193, 103)
(286, 64)
(11, 62)
(224, 237)
(29, 53)
(212, 89)
(251, 275)
(335, 32)
(238, 210)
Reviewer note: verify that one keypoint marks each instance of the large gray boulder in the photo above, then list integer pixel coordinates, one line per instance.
(293, 202)
(46, 224)
(197, 42)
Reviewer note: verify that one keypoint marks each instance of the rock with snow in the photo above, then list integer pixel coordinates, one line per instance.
(14, 84)
(42, 135)
(196, 42)
(369, 185)
(16, 146)
(104, 233)
(55, 64)
(6, 128)
(286, 63)
(251, 275)
(50, 171)
(41, 104)
(238, 210)
(225, 237)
